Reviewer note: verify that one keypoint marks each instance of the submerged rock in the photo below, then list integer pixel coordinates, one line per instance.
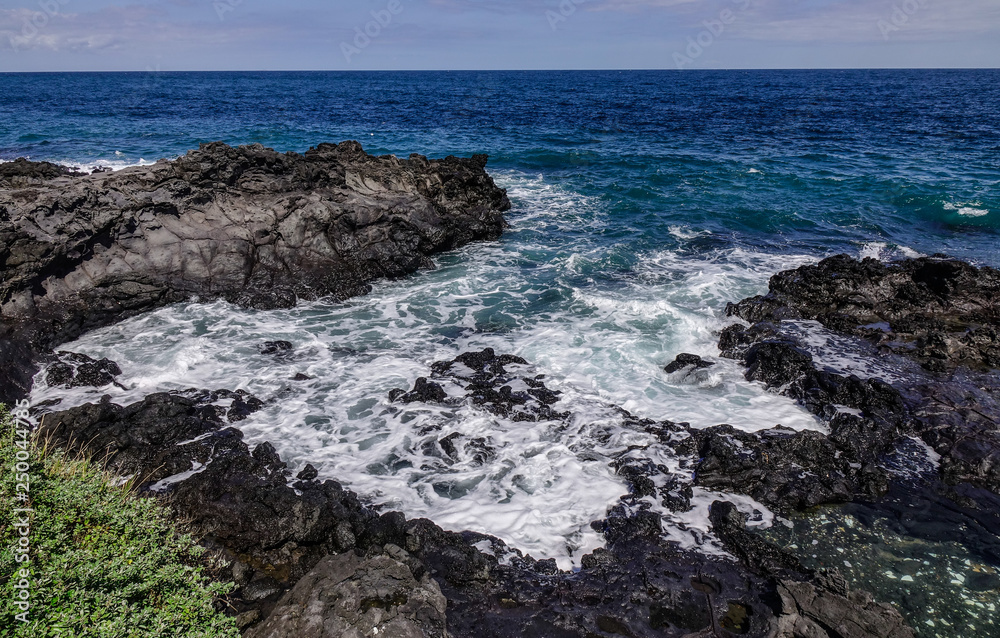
(276, 347)
(250, 225)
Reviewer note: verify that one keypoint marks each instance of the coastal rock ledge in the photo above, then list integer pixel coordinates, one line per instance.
(250, 225)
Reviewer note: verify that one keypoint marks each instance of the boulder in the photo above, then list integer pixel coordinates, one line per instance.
(346, 596)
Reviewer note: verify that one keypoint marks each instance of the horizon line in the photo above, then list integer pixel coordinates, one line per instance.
(585, 70)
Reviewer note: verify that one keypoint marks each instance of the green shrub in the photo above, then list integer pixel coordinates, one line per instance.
(103, 563)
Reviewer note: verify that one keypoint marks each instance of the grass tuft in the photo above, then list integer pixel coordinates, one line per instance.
(103, 562)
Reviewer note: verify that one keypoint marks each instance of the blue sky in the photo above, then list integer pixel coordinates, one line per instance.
(138, 35)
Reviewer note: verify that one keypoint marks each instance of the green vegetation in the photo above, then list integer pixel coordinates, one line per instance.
(103, 563)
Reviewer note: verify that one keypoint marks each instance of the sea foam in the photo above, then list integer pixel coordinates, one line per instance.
(601, 343)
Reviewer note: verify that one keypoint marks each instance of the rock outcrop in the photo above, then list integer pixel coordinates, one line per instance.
(347, 596)
(251, 225)
(917, 346)
(942, 312)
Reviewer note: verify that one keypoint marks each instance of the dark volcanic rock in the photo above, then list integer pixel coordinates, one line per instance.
(485, 380)
(782, 468)
(829, 609)
(74, 370)
(729, 524)
(941, 313)
(685, 360)
(423, 390)
(247, 224)
(22, 173)
(347, 596)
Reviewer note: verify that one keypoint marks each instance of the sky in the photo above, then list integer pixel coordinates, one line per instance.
(182, 35)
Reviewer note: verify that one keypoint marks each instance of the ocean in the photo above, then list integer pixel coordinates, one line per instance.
(643, 202)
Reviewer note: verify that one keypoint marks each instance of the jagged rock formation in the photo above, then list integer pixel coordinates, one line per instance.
(935, 325)
(942, 312)
(248, 224)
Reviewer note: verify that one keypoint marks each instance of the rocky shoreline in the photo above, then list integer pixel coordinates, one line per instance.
(275, 531)
(897, 360)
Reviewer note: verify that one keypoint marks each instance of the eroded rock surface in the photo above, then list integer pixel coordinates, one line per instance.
(248, 224)
(916, 353)
(347, 596)
(942, 312)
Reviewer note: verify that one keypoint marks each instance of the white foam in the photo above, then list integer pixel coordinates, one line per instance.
(196, 468)
(886, 252)
(686, 233)
(967, 210)
(600, 344)
(113, 165)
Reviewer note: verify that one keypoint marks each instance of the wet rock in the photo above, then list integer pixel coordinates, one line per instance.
(684, 360)
(941, 313)
(776, 363)
(242, 408)
(729, 524)
(275, 347)
(74, 370)
(250, 225)
(346, 596)
(423, 390)
(307, 473)
(490, 382)
(646, 478)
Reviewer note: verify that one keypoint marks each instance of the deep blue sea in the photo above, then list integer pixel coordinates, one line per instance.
(643, 203)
